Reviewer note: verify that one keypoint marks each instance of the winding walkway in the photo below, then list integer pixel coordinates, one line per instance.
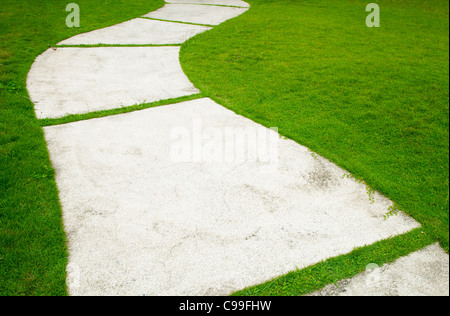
(154, 202)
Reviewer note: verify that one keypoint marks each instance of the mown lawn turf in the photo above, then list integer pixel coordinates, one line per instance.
(33, 254)
(373, 100)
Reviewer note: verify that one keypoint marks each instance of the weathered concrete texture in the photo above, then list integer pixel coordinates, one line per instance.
(200, 14)
(423, 273)
(236, 3)
(80, 80)
(139, 32)
(140, 221)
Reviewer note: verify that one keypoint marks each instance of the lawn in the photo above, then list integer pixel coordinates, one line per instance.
(373, 100)
(33, 254)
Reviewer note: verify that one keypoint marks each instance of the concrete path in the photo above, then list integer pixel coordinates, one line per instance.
(141, 203)
(192, 13)
(188, 198)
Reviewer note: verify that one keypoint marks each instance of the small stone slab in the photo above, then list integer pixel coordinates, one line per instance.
(143, 219)
(422, 273)
(236, 3)
(199, 14)
(81, 80)
(139, 32)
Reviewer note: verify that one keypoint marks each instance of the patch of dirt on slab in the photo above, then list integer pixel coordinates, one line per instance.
(321, 178)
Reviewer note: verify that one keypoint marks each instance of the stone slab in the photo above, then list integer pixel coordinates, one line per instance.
(236, 3)
(423, 273)
(139, 32)
(143, 219)
(81, 80)
(199, 14)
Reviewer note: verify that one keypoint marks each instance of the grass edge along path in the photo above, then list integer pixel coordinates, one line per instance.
(98, 114)
(32, 281)
(245, 42)
(315, 277)
(33, 249)
(413, 175)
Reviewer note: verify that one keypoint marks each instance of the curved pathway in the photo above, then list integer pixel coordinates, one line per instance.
(188, 198)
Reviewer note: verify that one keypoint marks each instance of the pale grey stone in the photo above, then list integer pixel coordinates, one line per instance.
(139, 32)
(81, 80)
(200, 14)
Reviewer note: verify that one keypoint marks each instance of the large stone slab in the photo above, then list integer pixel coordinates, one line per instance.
(423, 273)
(81, 80)
(139, 32)
(200, 14)
(161, 202)
(236, 3)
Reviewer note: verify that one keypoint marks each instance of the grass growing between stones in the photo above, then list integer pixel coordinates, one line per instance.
(33, 254)
(314, 278)
(98, 114)
(375, 101)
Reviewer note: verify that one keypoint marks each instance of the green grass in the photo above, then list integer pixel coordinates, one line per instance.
(33, 252)
(374, 101)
